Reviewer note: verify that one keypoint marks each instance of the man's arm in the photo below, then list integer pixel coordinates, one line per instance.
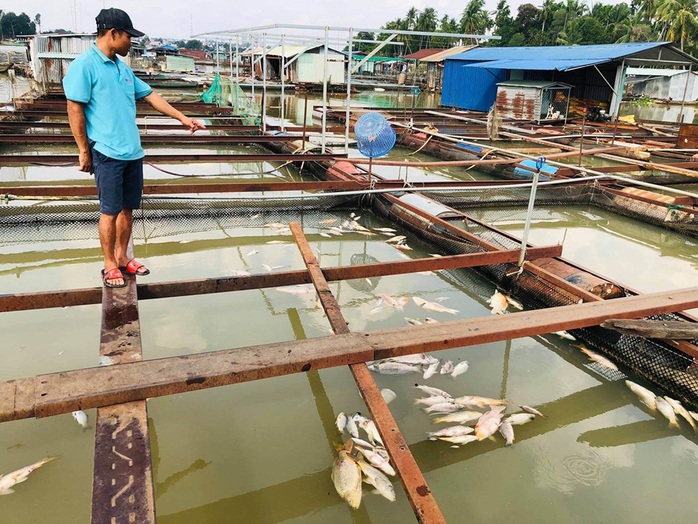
(160, 104)
(76, 118)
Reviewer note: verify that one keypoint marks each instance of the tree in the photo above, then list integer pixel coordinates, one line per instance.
(475, 19)
(503, 23)
(680, 18)
(37, 21)
(13, 25)
(194, 44)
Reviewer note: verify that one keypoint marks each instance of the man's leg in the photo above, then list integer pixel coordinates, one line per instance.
(107, 239)
(124, 227)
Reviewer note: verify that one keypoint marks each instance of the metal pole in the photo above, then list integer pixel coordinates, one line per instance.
(581, 139)
(529, 213)
(283, 85)
(348, 112)
(324, 93)
(679, 118)
(305, 116)
(264, 82)
(237, 60)
(218, 60)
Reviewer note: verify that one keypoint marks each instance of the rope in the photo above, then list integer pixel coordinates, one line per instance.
(250, 173)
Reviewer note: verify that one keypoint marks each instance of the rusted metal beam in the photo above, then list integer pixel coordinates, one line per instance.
(53, 138)
(122, 488)
(67, 391)
(235, 187)
(418, 493)
(69, 160)
(79, 297)
(147, 126)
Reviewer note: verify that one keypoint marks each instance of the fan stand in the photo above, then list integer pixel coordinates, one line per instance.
(370, 166)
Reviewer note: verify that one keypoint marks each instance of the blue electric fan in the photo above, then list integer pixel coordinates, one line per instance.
(374, 137)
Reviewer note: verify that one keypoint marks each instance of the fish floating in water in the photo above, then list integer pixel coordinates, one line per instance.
(648, 398)
(433, 306)
(498, 302)
(596, 357)
(346, 476)
(7, 482)
(80, 417)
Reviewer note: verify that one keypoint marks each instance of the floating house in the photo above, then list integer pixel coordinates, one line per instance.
(51, 55)
(435, 66)
(306, 64)
(13, 55)
(666, 84)
(594, 72)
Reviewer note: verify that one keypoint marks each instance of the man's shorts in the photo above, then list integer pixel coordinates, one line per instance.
(119, 182)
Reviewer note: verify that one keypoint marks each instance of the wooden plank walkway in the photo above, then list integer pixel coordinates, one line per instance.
(122, 488)
(418, 493)
(63, 392)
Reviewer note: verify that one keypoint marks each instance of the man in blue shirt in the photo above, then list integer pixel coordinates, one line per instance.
(102, 93)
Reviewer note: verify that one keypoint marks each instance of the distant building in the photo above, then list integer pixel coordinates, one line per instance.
(306, 64)
(596, 73)
(665, 84)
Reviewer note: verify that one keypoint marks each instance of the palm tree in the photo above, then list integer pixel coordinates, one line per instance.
(411, 18)
(475, 18)
(37, 21)
(680, 18)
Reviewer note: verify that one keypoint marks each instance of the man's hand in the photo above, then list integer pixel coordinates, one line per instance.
(193, 125)
(85, 161)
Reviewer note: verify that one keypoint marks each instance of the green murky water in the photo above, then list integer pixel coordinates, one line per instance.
(262, 451)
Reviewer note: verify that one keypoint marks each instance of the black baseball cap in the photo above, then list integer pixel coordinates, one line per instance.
(114, 18)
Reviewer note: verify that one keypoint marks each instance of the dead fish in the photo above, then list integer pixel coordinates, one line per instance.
(346, 476)
(351, 427)
(392, 302)
(241, 273)
(564, 334)
(431, 370)
(473, 400)
(459, 417)
(461, 439)
(433, 391)
(489, 422)
(428, 320)
(534, 411)
(498, 302)
(395, 239)
(681, 411)
(19, 476)
(433, 400)
(445, 407)
(253, 252)
(648, 398)
(451, 431)
(301, 289)
(519, 419)
(433, 306)
(385, 229)
(507, 431)
(460, 368)
(273, 242)
(371, 430)
(276, 225)
(413, 321)
(417, 359)
(328, 221)
(387, 367)
(598, 358)
(402, 247)
(341, 422)
(513, 302)
(447, 368)
(388, 395)
(377, 460)
(378, 480)
(80, 417)
(326, 235)
(665, 409)
(362, 443)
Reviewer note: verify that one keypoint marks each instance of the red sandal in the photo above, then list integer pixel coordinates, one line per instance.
(112, 274)
(135, 268)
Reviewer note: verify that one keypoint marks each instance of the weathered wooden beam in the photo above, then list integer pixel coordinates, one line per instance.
(67, 391)
(418, 493)
(78, 297)
(122, 486)
(663, 329)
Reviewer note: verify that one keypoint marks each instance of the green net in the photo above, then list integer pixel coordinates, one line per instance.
(227, 92)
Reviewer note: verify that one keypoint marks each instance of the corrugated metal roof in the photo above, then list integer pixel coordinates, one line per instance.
(538, 64)
(601, 52)
(652, 71)
(290, 51)
(423, 53)
(441, 55)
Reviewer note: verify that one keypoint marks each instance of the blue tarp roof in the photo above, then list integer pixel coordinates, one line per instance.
(596, 53)
(537, 65)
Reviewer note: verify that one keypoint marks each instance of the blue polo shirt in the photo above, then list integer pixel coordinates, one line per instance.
(109, 90)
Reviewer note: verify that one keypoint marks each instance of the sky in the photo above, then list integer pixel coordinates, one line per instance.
(183, 18)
